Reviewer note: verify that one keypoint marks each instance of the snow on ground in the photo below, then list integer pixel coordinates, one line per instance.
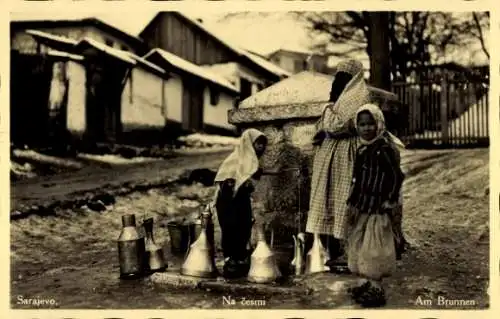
(42, 158)
(206, 139)
(116, 159)
(445, 217)
(22, 170)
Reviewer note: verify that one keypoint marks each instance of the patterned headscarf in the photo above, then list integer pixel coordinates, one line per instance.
(355, 94)
(242, 163)
(350, 66)
(382, 131)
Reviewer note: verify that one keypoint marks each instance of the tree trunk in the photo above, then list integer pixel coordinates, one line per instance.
(379, 42)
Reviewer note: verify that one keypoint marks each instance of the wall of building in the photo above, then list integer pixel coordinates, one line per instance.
(24, 43)
(294, 63)
(285, 62)
(141, 104)
(172, 33)
(76, 98)
(217, 115)
(173, 99)
(234, 72)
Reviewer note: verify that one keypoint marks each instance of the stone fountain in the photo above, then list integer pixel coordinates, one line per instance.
(287, 112)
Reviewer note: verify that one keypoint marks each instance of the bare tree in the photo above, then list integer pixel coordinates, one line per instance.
(481, 24)
(379, 43)
(417, 39)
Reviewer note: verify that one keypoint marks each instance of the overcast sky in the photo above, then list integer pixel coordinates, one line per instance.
(261, 35)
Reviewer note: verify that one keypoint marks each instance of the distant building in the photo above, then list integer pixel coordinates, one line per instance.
(295, 61)
(189, 39)
(108, 94)
(78, 29)
(197, 99)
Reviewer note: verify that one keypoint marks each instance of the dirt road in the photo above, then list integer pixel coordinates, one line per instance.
(71, 257)
(44, 190)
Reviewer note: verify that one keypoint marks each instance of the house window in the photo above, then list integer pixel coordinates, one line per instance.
(214, 96)
(245, 89)
(124, 48)
(109, 42)
(298, 65)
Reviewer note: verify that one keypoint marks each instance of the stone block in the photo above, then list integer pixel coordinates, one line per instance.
(240, 286)
(175, 279)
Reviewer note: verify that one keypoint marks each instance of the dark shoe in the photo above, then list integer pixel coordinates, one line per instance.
(230, 269)
(235, 269)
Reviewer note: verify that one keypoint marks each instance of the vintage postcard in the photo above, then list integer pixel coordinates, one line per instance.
(289, 159)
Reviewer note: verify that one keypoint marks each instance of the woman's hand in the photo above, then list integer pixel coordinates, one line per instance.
(388, 205)
(319, 137)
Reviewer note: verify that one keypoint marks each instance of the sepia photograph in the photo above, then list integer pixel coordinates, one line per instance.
(249, 160)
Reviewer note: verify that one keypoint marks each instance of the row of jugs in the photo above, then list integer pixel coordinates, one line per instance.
(200, 259)
(138, 255)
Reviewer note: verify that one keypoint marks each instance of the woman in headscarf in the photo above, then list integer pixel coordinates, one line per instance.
(336, 142)
(235, 183)
(376, 183)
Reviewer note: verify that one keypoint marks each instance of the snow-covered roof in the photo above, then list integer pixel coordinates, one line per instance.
(73, 44)
(55, 20)
(65, 54)
(292, 50)
(125, 56)
(267, 64)
(50, 36)
(239, 51)
(192, 68)
(145, 62)
(119, 54)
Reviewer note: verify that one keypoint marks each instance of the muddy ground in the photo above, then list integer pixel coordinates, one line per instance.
(72, 257)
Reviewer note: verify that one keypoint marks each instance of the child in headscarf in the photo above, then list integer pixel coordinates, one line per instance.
(235, 184)
(375, 190)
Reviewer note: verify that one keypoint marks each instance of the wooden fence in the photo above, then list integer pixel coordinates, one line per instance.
(443, 113)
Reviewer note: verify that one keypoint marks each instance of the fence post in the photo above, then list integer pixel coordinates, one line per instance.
(444, 110)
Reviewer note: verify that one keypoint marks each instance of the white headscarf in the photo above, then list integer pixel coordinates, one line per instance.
(382, 131)
(243, 162)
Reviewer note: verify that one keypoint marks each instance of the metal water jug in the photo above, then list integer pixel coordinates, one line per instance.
(131, 249)
(298, 263)
(263, 267)
(316, 257)
(200, 261)
(155, 260)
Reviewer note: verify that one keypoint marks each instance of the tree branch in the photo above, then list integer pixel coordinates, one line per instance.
(480, 34)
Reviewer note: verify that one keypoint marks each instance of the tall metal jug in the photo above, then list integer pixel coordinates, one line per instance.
(200, 260)
(316, 257)
(298, 263)
(155, 260)
(263, 267)
(131, 249)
